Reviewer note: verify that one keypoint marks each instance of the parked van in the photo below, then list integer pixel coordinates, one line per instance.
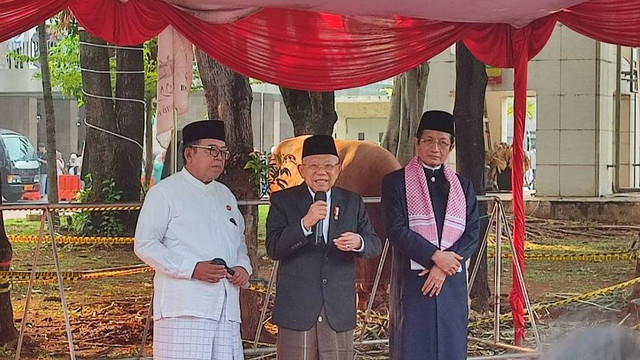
(19, 166)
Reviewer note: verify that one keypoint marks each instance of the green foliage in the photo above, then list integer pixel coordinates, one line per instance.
(150, 68)
(108, 222)
(64, 64)
(531, 107)
(266, 170)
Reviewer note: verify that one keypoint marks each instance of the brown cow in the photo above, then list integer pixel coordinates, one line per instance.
(364, 164)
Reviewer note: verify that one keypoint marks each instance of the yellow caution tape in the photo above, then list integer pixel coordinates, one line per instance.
(585, 296)
(77, 240)
(99, 208)
(72, 207)
(51, 276)
(612, 256)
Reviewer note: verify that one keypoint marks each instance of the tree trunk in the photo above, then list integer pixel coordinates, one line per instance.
(312, 113)
(8, 330)
(205, 67)
(148, 144)
(229, 98)
(129, 115)
(100, 157)
(468, 114)
(407, 104)
(50, 116)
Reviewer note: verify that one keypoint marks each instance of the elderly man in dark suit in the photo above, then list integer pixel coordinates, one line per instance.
(316, 230)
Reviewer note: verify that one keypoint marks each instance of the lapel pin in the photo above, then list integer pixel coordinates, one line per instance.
(336, 213)
(228, 207)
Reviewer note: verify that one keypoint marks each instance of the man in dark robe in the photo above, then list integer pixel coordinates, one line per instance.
(432, 220)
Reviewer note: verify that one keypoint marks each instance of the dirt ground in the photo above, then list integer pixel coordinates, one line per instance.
(108, 315)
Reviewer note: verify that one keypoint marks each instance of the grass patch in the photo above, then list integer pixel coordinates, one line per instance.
(21, 227)
(547, 277)
(263, 210)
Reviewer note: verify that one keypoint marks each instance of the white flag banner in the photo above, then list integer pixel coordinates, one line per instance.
(175, 71)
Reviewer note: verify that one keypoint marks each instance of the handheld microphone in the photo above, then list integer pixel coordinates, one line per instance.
(320, 196)
(218, 261)
(230, 271)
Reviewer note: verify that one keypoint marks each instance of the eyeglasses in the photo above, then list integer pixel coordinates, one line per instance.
(214, 151)
(317, 167)
(443, 144)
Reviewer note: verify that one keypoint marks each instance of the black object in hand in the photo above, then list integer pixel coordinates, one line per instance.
(218, 261)
(320, 196)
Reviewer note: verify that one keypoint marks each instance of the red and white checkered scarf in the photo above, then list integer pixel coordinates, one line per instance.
(421, 217)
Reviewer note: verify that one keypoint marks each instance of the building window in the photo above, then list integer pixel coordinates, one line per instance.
(360, 136)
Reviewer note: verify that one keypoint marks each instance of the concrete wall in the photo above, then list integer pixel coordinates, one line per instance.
(20, 113)
(573, 79)
(367, 115)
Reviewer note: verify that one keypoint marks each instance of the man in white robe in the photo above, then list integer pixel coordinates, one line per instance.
(186, 221)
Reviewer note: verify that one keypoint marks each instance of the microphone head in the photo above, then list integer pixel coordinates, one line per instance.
(320, 196)
(218, 261)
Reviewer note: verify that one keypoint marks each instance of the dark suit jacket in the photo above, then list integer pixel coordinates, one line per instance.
(311, 276)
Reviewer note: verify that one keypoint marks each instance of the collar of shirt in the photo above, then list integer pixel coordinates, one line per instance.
(432, 168)
(325, 223)
(207, 188)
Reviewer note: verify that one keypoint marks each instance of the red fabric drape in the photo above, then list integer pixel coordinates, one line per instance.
(347, 51)
(513, 48)
(292, 48)
(316, 51)
(18, 16)
(520, 41)
(611, 21)
(129, 23)
(493, 43)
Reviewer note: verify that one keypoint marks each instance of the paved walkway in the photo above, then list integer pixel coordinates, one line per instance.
(22, 214)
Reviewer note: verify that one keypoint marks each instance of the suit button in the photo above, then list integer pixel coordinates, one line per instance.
(324, 281)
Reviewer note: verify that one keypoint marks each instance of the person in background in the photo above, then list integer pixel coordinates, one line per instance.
(42, 159)
(597, 344)
(158, 165)
(74, 168)
(59, 163)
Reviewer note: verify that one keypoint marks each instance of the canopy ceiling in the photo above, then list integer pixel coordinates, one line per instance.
(515, 12)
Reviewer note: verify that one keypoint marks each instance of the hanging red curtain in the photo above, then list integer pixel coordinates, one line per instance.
(18, 16)
(513, 48)
(611, 21)
(296, 49)
(123, 23)
(314, 51)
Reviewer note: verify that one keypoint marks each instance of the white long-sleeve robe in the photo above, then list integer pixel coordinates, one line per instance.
(184, 221)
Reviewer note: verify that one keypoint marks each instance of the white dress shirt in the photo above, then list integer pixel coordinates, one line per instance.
(184, 221)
